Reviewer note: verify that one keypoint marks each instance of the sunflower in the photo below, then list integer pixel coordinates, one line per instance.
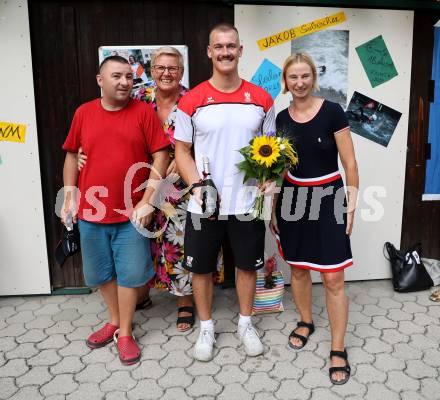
(265, 150)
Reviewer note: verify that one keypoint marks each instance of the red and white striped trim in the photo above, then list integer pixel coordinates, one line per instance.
(320, 180)
(321, 267)
(313, 266)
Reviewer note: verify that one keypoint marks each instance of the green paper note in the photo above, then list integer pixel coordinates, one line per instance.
(377, 61)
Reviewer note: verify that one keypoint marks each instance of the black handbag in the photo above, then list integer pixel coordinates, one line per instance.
(409, 273)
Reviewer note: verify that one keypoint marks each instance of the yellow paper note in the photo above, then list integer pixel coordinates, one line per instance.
(10, 132)
(301, 30)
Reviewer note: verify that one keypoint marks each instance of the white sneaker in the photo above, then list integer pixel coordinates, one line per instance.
(250, 339)
(204, 346)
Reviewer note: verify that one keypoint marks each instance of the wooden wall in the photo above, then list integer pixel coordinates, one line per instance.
(65, 37)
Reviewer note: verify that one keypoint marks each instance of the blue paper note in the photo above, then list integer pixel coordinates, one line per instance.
(268, 77)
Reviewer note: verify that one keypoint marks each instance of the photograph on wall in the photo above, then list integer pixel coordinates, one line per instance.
(372, 119)
(329, 50)
(139, 58)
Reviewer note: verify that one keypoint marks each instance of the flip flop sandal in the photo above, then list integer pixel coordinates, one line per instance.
(435, 296)
(129, 351)
(304, 339)
(185, 320)
(145, 305)
(346, 369)
(101, 337)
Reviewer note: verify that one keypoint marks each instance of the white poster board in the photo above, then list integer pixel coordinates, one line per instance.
(140, 58)
(381, 169)
(23, 256)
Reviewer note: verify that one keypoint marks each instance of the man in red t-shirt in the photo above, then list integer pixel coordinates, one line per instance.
(120, 136)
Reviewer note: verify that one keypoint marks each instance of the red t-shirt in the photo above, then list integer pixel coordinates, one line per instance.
(113, 141)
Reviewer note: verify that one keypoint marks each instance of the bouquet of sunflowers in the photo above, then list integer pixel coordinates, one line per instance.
(266, 158)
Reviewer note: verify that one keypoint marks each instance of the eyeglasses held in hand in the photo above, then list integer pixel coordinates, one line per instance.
(161, 69)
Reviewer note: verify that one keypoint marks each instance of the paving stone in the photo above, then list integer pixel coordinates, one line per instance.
(81, 333)
(234, 391)
(359, 356)
(7, 388)
(153, 352)
(69, 314)
(27, 393)
(386, 362)
(155, 323)
(147, 389)
(307, 359)
(430, 388)
(432, 357)
(204, 386)
(53, 299)
(264, 396)
(154, 336)
(225, 325)
(40, 322)
(405, 352)
(322, 393)
(45, 357)
(433, 332)
(231, 374)
(13, 330)
(398, 315)
(269, 322)
(228, 340)
(176, 358)
(76, 348)
(119, 380)
(256, 364)
(375, 346)
(387, 304)
(383, 323)
(351, 389)
(424, 319)
(89, 391)
(116, 395)
(202, 368)
(372, 310)
(366, 373)
(421, 342)
(175, 377)
(3, 324)
(281, 353)
(378, 391)
(434, 311)
(53, 342)
(13, 368)
(73, 302)
(60, 327)
(228, 356)
(393, 336)
(56, 397)
(116, 365)
(314, 378)
(290, 389)
(356, 317)
(409, 395)
(21, 317)
(29, 305)
(35, 376)
(25, 350)
(7, 344)
(412, 308)
(94, 307)
(70, 364)
(366, 330)
(87, 320)
(48, 309)
(398, 381)
(93, 373)
(410, 328)
(418, 370)
(177, 343)
(61, 384)
(175, 394)
(149, 369)
(285, 370)
(364, 299)
(7, 312)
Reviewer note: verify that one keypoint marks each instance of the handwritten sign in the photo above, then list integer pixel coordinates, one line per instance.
(268, 77)
(10, 132)
(377, 61)
(301, 30)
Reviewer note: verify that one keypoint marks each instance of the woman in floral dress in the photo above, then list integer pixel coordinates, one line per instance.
(167, 249)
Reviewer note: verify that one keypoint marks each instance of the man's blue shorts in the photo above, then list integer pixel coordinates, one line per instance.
(115, 251)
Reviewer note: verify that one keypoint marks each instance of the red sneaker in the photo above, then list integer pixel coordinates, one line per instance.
(102, 336)
(129, 351)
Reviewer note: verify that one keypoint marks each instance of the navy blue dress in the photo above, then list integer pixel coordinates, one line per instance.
(311, 208)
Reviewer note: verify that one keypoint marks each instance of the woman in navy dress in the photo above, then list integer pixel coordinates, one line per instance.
(311, 218)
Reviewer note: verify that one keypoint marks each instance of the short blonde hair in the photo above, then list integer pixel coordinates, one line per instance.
(296, 59)
(167, 51)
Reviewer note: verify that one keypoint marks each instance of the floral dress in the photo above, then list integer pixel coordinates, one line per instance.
(167, 249)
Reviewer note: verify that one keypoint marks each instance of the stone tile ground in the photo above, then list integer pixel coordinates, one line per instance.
(393, 345)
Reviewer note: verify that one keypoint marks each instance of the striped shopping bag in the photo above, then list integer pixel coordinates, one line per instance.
(268, 300)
